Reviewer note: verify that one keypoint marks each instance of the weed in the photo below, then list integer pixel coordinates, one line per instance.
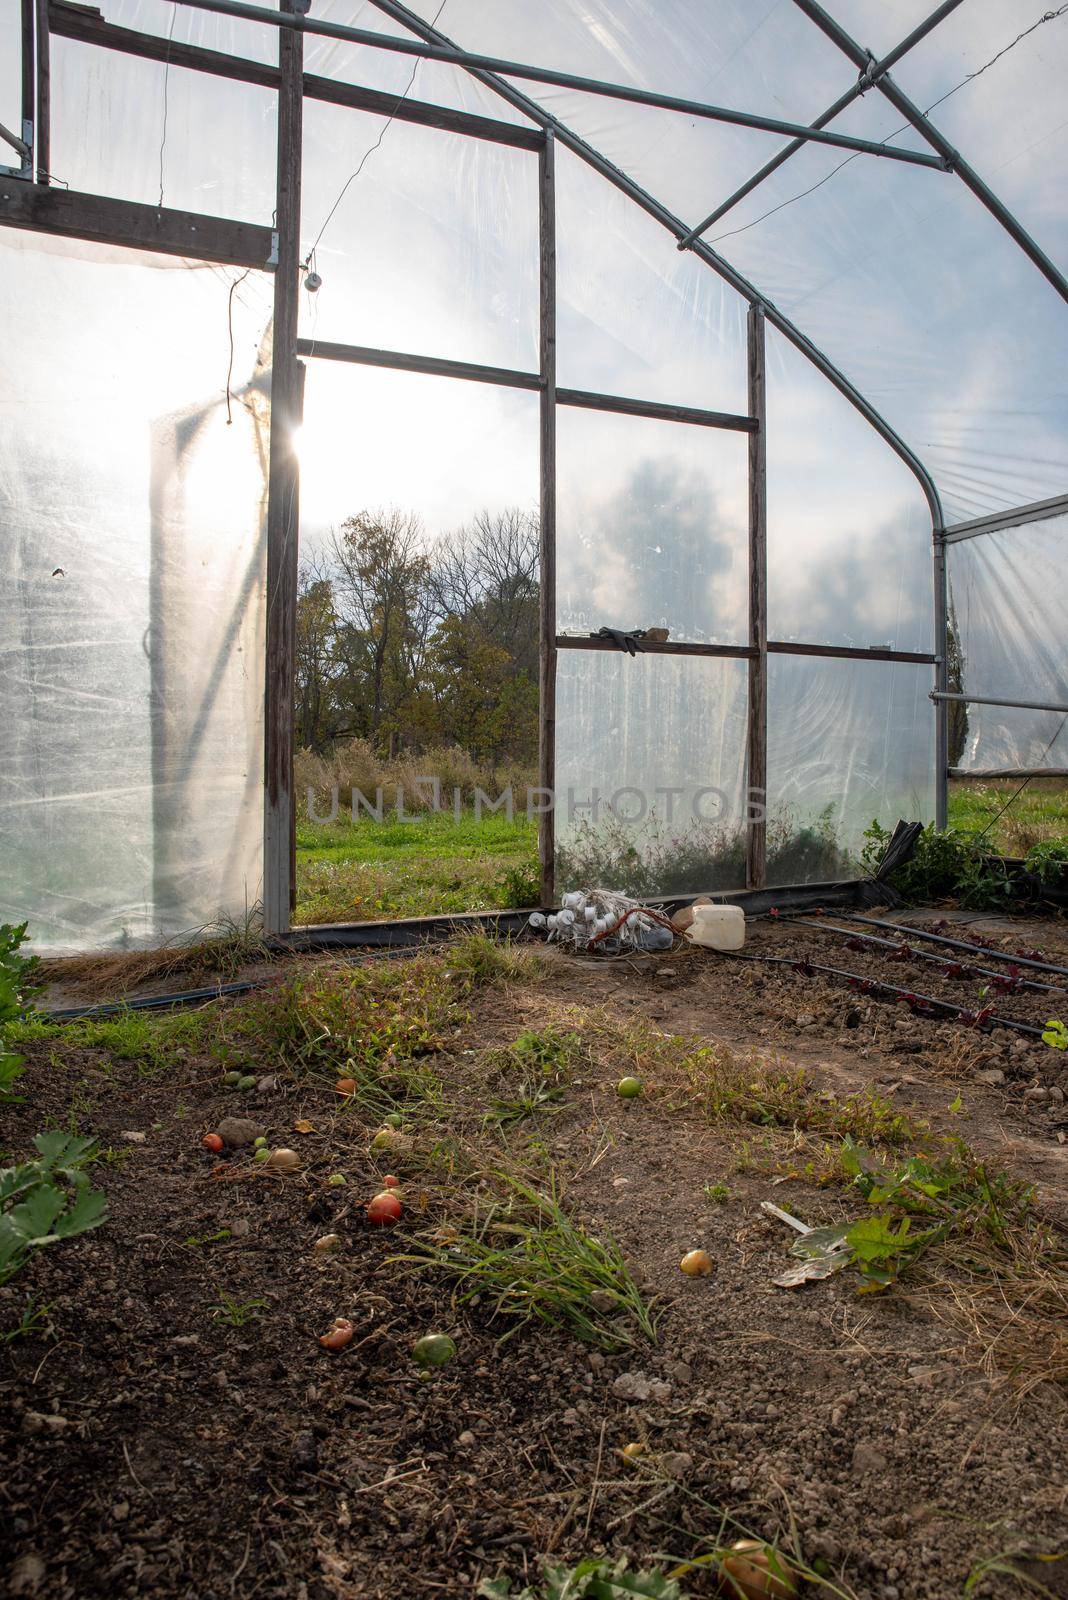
(718, 1192)
(1005, 1565)
(520, 886)
(221, 947)
(46, 1200)
(235, 1313)
(1048, 862)
(531, 1260)
(539, 1064)
(947, 863)
(592, 1579)
(479, 961)
(196, 1240)
(1055, 1034)
(35, 1319)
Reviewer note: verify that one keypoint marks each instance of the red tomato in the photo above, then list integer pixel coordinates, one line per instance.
(384, 1210)
(337, 1337)
(391, 1181)
(212, 1141)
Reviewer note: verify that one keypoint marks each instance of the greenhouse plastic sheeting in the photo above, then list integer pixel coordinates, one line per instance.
(650, 763)
(899, 274)
(1009, 598)
(131, 601)
(651, 527)
(849, 743)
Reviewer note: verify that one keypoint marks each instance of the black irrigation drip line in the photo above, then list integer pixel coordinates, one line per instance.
(153, 1002)
(1006, 983)
(216, 991)
(1031, 959)
(921, 1005)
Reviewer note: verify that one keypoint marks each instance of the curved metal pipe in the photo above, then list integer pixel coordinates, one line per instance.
(653, 208)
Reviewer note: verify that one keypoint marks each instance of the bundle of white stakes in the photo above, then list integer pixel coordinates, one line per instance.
(586, 914)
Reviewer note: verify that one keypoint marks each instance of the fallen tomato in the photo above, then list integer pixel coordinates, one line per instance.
(338, 1335)
(629, 1088)
(391, 1181)
(384, 1210)
(758, 1572)
(345, 1086)
(282, 1161)
(212, 1141)
(696, 1264)
(433, 1350)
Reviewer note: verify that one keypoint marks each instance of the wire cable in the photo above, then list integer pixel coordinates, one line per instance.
(1047, 16)
(369, 153)
(166, 100)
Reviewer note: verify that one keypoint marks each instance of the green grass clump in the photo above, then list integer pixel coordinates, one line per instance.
(529, 1260)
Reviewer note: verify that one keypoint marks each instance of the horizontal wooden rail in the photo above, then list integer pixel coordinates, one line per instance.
(780, 647)
(401, 361)
(655, 409)
(102, 220)
(668, 647)
(844, 652)
(87, 26)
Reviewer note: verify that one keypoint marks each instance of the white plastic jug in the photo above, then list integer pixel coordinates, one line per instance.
(718, 927)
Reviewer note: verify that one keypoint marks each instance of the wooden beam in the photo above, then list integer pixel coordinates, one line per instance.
(402, 361)
(283, 496)
(844, 652)
(103, 220)
(547, 564)
(651, 647)
(42, 135)
(656, 409)
(742, 652)
(29, 80)
(757, 739)
(88, 27)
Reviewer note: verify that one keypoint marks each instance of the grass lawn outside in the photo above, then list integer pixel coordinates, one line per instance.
(370, 871)
(373, 871)
(1038, 814)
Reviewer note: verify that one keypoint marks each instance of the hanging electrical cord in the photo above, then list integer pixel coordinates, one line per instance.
(235, 284)
(310, 257)
(1047, 16)
(166, 99)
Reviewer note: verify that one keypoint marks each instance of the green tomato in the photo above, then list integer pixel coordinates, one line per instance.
(433, 1350)
(247, 1082)
(336, 1180)
(262, 1154)
(258, 1144)
(394, 1120)
(231, 1079)
(629, 1088)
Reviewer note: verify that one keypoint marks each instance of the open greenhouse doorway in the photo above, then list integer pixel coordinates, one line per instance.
(416, 663)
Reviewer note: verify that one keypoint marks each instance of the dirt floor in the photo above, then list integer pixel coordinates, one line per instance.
(173, 1428)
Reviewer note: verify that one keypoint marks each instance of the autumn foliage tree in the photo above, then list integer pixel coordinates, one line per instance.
(411, 645)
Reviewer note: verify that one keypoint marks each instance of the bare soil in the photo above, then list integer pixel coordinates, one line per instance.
(152, 1449)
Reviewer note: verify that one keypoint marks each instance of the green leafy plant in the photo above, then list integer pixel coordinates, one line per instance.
(235, 1313)
(952, 1195)
(589, 1580)
(948, 864)
(35, 1318)
(17, 988)
(46, 1200)
(1055, 1034)
(1048, 862)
